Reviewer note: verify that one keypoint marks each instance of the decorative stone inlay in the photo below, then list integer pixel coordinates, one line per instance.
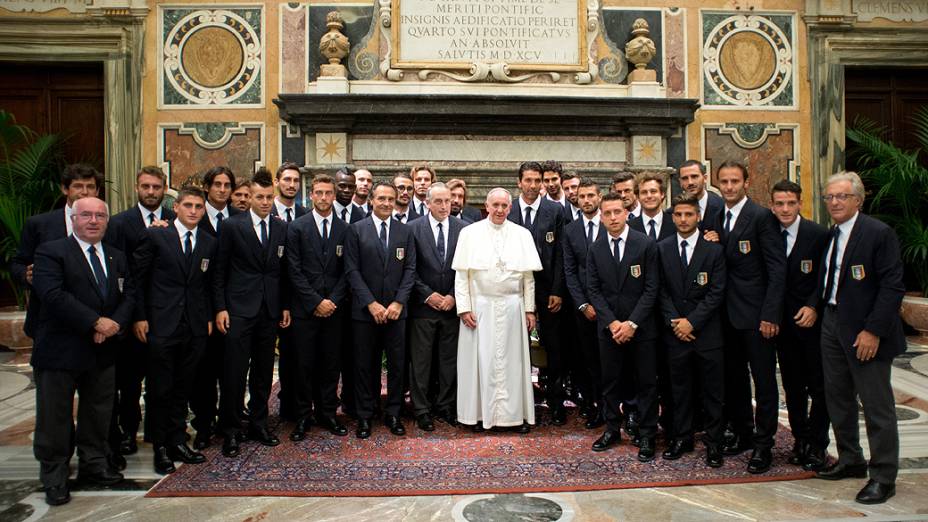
(331, 147)
(515, 507)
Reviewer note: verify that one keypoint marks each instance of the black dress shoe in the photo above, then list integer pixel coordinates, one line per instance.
(163, 463)
(646, 450)
(842, 471)
(332, 424)
(299, 431)
(736, 445)
(522, 428)
(116, 461)
(424, 422)
(57, 495)
(106, 477)
(558, 415)
(128, 445)
(364, 429)
(447, 418)
(632, 423)
(714, 457)
(183, 453)
(240, 436)
(875, 493)
(262, 436)
(230, 447)
(816, 459)
(678, 447)
(395, 425)
(797, 454)
(760, 461)
(201, 441)
(594, 421)
(607, 439)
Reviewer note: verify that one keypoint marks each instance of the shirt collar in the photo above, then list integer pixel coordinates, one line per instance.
(378, 221)
(658, 219)
(319, 217)
(636, 211)
(595, 220)
(255, 219)
(213, 211)
(690, 241)
(561, 200)
(182, 229)
(535, 206)
(145, 212)
(623, 235)
(792, 229)
(434, 222)
(282, 209)
(735, 210)
(848, 225)
(85, 245)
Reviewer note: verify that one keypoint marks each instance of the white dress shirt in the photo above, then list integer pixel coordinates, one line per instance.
(212, 211)
(99, 246)
(535, 206)
(735, 212)
(145, 212)
(845, 234)
(282, 210)
(68, 224)
(422, 207)
(624, 241)
(586, 225)
(635, 212)
(658, 222)
(444, 227)
(182, 233)
(377, 221)
(690, 245)
(319, 218)
(256, 224)
(703, 204)
(338, 207)
(792, 232)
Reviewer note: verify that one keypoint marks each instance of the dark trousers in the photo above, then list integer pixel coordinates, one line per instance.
(249, 355)
(747, 350)
(286, 373)
(316, 344)
(614, 357)
(800, 357)
(371, 341)
(346, 366)
(688, 366)
(665, 394)
(55, 435)
(430, 337)
(846, 379)
(172, 363)
(550, 336)
(591, 385)
(205, 396)
(130, 372)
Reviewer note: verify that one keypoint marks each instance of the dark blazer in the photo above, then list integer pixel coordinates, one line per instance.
(470, 215)
(575, 254)
(433, 274)
(547, 230)
(699, 294)
(248, 273)
(714, 206)
(615, 293)
(38, 229)
(300, 211)
(870, 299)
(169, 287)
(411, 212)
(803, 268)
(72, 303)
(375, 276)
(755, 262)
(127, 229)
(207, 225)
(667, 227)
(316, 271)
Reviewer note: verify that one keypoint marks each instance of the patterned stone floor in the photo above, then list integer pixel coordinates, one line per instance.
(20, 499)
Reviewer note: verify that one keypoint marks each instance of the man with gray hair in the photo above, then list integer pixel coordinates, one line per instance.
(433, 323)
(494, 291)
(861, 292)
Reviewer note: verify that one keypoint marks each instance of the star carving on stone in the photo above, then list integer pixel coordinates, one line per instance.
(647, 150)
(330, 147)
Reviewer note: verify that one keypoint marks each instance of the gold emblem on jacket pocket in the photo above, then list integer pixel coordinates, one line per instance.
(702, 278)
(549, 237)
(204, 264)
(400, 254)
(338, 251)
(635, 271)
(805, 266)
(744, 246)
(858, 273)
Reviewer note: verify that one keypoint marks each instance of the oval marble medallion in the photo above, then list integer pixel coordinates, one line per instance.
(212, 56)
(747, 60)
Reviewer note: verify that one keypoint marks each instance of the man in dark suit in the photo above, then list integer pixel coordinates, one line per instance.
(87, 300)
(174, 317)
(403, 210)
(315, 259)
(250, 293)
(755, 264)
(344, 192)
(579, 235)
(570, 183)
(625, 184)
(624, 281)
(126, 231)
(545, 220)
(551, 177)
(364, 180)
(692, 292)
(287, 182)
(861, 334)
(459, 207)
(380, 261)
(219, 183)
(241, 196)
(77, 181)
(423, 175)
(798, 344)
(693, 179)
(433, 321)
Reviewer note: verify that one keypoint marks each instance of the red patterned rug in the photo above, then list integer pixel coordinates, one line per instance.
(451, 461)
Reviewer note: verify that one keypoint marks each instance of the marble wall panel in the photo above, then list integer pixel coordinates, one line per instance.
(769, 151)
(293, 47)
(675, 52)
(186, 149)
(292, 145)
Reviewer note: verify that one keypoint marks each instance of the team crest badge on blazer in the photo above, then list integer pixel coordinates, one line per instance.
(338, 251)
(549, 237)
(858, 273)
(702, 278)
(204, 264)
(805, 266)
(635, 271)
(120, 282)
(744, 246)
(400, 254)
(280, 251)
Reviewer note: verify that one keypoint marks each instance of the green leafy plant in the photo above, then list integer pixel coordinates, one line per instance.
(898, 182)
(30, 166)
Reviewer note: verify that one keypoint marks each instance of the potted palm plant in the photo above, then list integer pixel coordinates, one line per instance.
(30, 165)
(898, 181)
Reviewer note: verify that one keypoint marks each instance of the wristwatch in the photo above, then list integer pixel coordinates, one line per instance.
(633, 325)
(583, 307)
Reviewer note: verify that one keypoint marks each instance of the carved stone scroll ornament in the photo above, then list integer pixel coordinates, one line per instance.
(394, 75)
(593, 25)
(334, 47)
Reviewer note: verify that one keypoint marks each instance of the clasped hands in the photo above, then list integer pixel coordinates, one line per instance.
(383, 314)
(439, 302)
(622, 331)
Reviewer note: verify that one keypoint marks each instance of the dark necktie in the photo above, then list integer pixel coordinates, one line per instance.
(98, 273)
(728, 222)
(289, 215)
(616, 251)
(652, 233)
(589, 232)
(528, 217)
(832, 261)
(218, 222)
(683, 256)
(345, 214)
(188, 244)
(421, 209)
(151, 218)
(579, 213)
(441, 243)
(785, 234)
(383, 235)
(263, 233)
(325, 236)
(400, 217)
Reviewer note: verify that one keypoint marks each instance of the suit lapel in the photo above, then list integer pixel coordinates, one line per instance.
(178, 252)
(744, 219)
(376, 241)
(695, 262)
(849, 251)
(630, 250)
(79, 257)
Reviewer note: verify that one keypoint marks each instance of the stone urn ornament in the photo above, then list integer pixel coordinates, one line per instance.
(640, 50)
(334, 47)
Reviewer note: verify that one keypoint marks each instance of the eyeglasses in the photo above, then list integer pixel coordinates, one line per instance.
(827, 198)
(404, 188)
(87, 216)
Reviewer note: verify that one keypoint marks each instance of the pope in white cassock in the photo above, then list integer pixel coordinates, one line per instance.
(495, 295)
